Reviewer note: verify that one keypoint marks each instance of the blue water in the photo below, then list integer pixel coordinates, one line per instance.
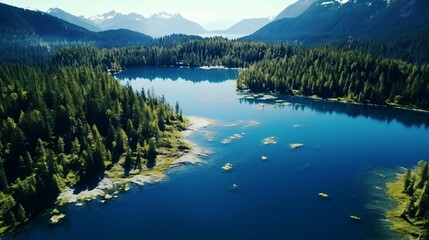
(345, 147)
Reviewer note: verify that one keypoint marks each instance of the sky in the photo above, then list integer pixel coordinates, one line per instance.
(204, 12)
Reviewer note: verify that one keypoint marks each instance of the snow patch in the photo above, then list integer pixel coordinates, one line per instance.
(104, 17)
(164, 15)
(31, 9)
(333, 2)
(342, 1)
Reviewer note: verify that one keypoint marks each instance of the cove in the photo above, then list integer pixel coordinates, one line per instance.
(346, 148)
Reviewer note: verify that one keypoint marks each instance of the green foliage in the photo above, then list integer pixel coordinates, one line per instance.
(331, 73)
(62, 125)
(417, 191)
(405, 46)
(194, 52)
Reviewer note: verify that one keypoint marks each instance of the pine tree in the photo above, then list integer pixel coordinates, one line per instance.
(3, 180)
(20, 213)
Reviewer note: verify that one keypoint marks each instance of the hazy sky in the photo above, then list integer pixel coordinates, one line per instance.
(201, 11)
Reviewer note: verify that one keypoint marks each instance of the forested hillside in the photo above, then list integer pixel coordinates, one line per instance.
(67, 126)
(407, 47)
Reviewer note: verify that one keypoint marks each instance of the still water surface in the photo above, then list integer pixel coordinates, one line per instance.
(346, 148)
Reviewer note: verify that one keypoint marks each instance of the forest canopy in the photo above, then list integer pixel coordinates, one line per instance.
(68, 125)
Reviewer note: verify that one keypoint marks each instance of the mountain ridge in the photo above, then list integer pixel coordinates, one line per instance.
(245, 26)
(325, 21)
(157, 25)
(79, 21)
(27, 27)
(295, 9)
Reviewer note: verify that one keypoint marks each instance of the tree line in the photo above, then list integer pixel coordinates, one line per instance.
(333, 73)
(168, 52)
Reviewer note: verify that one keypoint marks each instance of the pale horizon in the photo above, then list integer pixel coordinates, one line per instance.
(209, 14)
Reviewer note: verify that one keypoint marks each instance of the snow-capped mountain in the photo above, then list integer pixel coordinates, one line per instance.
(164, 24)
(159, 24)
(80, 21)
(32, 28)
(164, 15)
(115, 20)
(103, 17)
(327, 20)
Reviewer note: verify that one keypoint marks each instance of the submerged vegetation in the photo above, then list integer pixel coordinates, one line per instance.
(411, 193)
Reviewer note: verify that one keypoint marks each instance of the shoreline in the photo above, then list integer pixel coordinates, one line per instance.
(397, 215)
(334, 100)
(110, 186)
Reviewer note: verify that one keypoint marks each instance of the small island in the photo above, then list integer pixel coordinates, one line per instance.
(227, 167)
(296, 145)
(323, 195)
(229, 139)
(269, 140)
(411, 194)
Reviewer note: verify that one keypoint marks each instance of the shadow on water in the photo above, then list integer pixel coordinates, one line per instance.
(408, 118)
(212, 75)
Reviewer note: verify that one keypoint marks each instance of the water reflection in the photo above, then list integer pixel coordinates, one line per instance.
(213, 75)
(218, 75)
(383, 114)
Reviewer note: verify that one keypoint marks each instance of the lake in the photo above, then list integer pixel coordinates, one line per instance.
(349, 152)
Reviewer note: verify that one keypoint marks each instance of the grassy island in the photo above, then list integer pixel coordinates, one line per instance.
(411, 193)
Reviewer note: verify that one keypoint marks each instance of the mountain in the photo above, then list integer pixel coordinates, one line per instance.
(26, 27)
(115, 20)
(165, 24)
(157, 25)
(331, 20)
(245, 26)
(294, 10)
(80, 21)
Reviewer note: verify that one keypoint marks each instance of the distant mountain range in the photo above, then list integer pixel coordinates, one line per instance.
(27, 27)
(245, 26)
(325, 20)
(157, 25)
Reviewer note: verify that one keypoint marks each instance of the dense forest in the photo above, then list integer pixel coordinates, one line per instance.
(407, 47)
(192, 53)
(67, 126)
(411, 193)
(332, 73)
